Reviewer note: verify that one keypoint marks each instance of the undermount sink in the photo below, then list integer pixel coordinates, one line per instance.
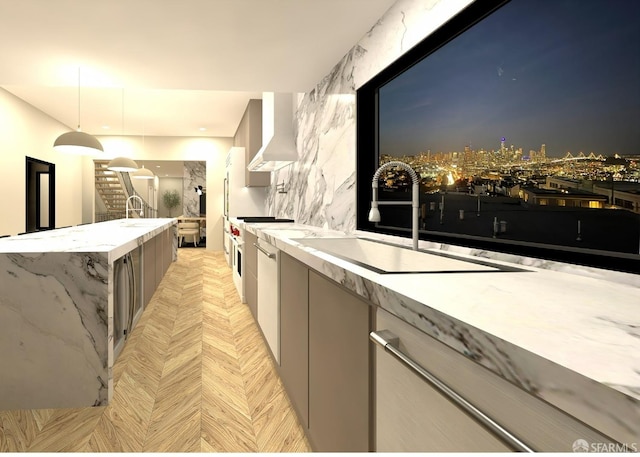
(385, 258)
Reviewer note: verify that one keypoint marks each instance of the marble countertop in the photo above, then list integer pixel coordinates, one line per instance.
(572, 340)
(115, 238)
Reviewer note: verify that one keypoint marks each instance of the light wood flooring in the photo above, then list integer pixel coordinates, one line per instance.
(195, 376)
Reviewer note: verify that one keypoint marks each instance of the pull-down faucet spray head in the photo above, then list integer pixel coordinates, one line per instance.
(374, 213)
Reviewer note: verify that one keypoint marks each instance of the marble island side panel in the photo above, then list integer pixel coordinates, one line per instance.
(54, 330)
(567, 339)
(56, 311)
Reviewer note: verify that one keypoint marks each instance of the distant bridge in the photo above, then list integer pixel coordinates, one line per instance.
(580, 156)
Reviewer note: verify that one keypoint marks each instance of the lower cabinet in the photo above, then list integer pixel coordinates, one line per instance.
(250, 275)
(157, 255)
(269, 296)
(325, 353)
(338, 368)
(294, 334)
(149, 277)
(413, 416)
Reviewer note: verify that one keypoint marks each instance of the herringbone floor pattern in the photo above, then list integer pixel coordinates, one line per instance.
(195, 376)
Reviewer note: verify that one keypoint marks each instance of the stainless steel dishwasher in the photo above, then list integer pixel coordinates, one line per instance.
(269, 295)
(127, 298)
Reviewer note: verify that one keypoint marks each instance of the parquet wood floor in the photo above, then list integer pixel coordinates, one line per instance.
(195, 376)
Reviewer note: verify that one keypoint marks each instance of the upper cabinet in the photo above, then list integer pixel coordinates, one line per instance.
(249, 136)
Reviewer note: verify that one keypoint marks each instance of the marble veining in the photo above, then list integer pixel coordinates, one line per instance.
(53, 320)
(56, 312)
(322, 182)
(195, 174)
(568, 339)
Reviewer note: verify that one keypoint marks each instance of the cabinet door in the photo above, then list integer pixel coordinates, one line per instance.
(338, 368)
(411, 416)
(294, 333)
(269, 296)
(167, 256)
(250, 276)
(149, 270)
(159, 257)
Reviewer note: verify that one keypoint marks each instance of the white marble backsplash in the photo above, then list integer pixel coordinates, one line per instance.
(195, 174)
(321, 184)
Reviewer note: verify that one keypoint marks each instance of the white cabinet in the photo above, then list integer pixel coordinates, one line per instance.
(269, 295)
(414, 416)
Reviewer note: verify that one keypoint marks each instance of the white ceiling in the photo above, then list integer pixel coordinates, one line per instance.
(171, 67)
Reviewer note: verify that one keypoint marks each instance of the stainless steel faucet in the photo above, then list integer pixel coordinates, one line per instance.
(374, 213)
(133, 209)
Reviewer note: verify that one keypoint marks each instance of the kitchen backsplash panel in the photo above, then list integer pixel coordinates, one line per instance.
(195, 174)
(320, 187)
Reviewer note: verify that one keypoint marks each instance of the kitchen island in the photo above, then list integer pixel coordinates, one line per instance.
(569, 341)
(57, 309)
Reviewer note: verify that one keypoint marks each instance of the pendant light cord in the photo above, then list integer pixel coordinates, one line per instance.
(78, 99)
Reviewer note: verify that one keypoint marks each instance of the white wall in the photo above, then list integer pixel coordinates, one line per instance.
(26, 131)
(211, 150)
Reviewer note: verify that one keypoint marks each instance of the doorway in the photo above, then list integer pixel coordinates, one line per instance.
(40, 195)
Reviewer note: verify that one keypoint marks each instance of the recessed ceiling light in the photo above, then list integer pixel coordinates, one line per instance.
(202, 129)
(106, 127)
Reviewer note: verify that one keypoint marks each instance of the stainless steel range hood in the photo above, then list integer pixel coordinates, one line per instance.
(278, 145)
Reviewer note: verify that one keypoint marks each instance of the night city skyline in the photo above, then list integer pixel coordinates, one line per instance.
(561, 73)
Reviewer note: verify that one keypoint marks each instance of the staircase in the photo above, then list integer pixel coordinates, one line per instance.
(110, 189)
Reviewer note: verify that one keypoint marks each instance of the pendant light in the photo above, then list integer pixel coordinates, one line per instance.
(123, 164)
(77, 142)
(143, 173)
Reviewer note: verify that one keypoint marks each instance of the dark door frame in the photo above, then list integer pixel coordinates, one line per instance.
(35, 187)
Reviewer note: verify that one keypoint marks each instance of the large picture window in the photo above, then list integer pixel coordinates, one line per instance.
(521, 119)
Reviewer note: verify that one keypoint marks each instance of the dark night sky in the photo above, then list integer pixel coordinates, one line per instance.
(561, 72)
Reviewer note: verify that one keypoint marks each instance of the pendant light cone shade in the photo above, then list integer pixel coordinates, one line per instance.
(143, 173)
(77, 143)
(123, 164)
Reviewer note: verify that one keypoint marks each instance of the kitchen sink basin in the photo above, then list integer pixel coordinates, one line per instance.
(386, 258)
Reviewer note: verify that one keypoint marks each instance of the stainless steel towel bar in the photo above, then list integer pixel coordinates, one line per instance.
(264, 251)
(387, 340)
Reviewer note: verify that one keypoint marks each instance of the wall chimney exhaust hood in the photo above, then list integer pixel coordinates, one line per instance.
(278, 146)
